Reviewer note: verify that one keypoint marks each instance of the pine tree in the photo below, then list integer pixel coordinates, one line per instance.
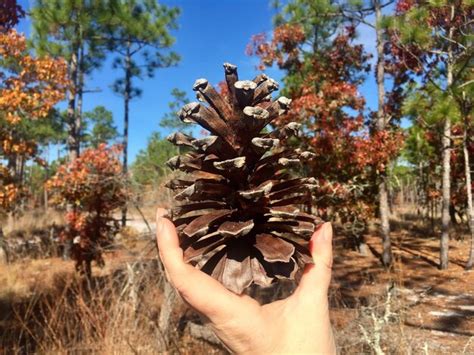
(149, 167)
(463, 96)
(99, 127)
(431, 41)
(170, 119)
(139, 33)
(357, 14)
(315, 45)
(70, 29)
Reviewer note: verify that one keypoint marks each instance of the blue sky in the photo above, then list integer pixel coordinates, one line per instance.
(210, 33)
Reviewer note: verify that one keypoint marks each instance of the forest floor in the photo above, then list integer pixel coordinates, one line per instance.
(412, 308)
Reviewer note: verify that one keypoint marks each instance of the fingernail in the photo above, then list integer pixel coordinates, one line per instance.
(326, 231)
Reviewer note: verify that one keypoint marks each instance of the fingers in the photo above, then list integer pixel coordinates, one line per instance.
(201, 291)
(317, 277)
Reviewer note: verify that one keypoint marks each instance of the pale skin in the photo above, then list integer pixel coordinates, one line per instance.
(298, 324)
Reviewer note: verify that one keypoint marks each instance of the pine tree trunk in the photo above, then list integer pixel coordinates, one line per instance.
(80, 93)
(383, 192)
(446, 180)
(72, 140)
(127, 92)
(45, 190)
(3, 253)
(446, 195)
(470, 209)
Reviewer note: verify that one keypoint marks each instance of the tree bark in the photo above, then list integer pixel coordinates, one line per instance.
(470, 209)
(126, 99)
(381, 125)
(80, 93)
(446, 180)
(45, 190)
(446, 195)
(72, 140)
(164, 320)
(3, 253)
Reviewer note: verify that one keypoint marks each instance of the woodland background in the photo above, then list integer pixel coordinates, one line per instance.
(78, 266)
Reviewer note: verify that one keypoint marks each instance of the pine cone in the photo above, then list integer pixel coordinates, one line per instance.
(237, 217)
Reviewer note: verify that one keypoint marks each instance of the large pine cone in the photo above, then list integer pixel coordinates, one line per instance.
(237, 215)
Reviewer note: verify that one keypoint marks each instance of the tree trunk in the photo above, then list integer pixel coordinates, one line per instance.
(3, 253)
(380, 124)
(446, 195)
(126, 99)
(446, 181)
(72, 141)
(165, 324)
(470, 209)
(45, 190)
(80, 93)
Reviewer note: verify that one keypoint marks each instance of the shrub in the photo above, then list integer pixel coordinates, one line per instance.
(94, 185)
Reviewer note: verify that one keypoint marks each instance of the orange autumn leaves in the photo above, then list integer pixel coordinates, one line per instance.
(93, 179)
(29, 88)
(94, 185)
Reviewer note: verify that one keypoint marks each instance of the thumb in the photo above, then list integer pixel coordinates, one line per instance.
(198, 289)
(317, 277)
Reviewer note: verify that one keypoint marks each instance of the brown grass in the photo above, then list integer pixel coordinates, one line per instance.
(116, 312)
(33, 220)
(46, 308)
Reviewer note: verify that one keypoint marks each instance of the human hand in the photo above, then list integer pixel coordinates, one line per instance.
(298, 324)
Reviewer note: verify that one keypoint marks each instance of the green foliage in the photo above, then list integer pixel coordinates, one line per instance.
(35, 177)
(400, 174)
(140, 27)
(417, 149)
(103, 129)
(320, 23)
(61, 27)
(314, 15)
(170, 119)
(49, 130)
(149, 166)
(430, 106)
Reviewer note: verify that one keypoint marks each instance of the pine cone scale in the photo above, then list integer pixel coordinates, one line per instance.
(274, 249)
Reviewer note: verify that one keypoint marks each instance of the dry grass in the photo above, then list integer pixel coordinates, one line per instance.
(22, 279)
(33, 220)
(46, 308)
(116, 312)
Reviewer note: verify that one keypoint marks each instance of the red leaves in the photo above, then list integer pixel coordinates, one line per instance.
(322, 80)
(282, 49)
(10, 14)
(403, 6)
(378, 150)
(91, 181)
(94, 185)
(289, 37)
